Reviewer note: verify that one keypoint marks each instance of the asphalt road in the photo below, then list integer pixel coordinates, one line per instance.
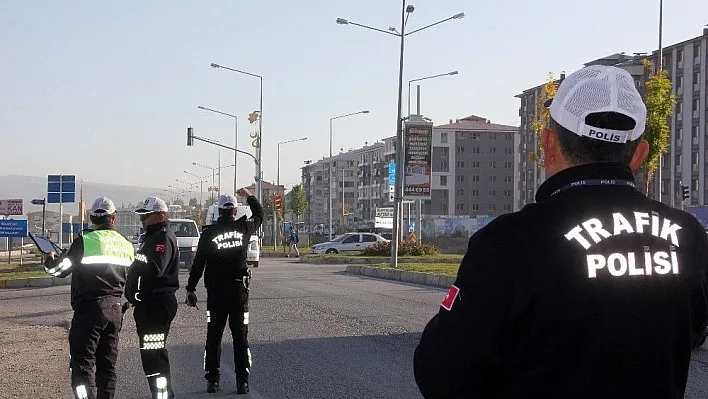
(315, 332)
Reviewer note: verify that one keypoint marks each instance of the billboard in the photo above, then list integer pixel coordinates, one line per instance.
(11, 207)
(417, 161)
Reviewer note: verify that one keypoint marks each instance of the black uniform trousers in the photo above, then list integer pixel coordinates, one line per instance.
(153, 318)
(228, 301)
(93, 341)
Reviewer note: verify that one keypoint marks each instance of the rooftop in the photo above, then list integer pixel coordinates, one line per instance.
(474, 122)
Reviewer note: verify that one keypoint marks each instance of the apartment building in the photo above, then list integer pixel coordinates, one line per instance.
(473, 168)
(353, 172)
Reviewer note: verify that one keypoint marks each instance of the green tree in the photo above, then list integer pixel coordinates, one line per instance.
(660, 102)
(178, 201)
(543, 116)
(298, 201)
(193, 202)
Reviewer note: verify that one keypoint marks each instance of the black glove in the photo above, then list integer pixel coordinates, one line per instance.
(125, 307)
(191, 299)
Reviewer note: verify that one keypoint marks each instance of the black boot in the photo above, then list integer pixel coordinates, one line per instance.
(212, 386)
(242, 385)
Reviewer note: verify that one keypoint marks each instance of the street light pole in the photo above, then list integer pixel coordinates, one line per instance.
(277, 184)
(201, 189)
(235, 144)
(405, 12)
(329, 172)
(425, 78)
(259, 186)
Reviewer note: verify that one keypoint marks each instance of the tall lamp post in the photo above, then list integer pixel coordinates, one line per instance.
(277, 184)
(213, 173)
(201, 188)
(235, 141)
(259, 186)
(405, 12)
(425, 78)
(329, 185)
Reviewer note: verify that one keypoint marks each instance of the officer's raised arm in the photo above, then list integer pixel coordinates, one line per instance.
(460, 350)
(256, 208)
(63, 265)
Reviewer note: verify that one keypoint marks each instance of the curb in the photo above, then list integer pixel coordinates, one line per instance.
(33, 282)
(368, 260)
(435, 280)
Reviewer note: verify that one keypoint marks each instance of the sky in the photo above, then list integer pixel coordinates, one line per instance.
(106, 90)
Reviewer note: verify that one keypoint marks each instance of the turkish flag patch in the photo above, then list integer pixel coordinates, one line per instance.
(159, 248)
(450, 297)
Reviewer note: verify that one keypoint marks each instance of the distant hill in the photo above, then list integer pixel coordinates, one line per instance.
(30, 187)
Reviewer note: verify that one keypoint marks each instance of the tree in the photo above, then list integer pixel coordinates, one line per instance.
(543, 116)
(178, 201)
(193, 202)
(660, 102)
(298, 201)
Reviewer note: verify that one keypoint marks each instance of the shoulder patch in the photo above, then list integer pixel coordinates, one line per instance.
(159, 248)
(450, 297)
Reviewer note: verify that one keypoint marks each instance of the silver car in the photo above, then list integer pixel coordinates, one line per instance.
(349, 243)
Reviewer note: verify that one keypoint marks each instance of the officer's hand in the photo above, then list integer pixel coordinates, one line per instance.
(244, 192)
(191, 299)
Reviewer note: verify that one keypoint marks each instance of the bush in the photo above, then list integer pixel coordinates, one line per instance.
(405, 248)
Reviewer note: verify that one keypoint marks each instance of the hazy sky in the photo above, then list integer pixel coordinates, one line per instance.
(106, 90)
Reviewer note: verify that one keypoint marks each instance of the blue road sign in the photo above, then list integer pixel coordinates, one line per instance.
(13, 228)
(391, 173)
(61, 189)
(67, 227)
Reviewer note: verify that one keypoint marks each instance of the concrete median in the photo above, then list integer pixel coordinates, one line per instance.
(435, 280)
(33, 282)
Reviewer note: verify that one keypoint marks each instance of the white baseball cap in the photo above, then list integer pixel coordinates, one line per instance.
(102, 206)
(151, 205)
(595, 89)
(227, 201)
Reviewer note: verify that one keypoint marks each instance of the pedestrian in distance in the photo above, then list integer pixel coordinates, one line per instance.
(153, 280)
(221, 256)
(294, 239)
(97, 261)
(595, 290)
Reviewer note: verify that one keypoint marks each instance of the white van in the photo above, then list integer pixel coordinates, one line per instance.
(187, 234)
(254, 248)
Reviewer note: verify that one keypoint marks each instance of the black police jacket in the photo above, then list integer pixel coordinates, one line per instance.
(89, 283)
(155, 271)
(223, 249)
(594, 291)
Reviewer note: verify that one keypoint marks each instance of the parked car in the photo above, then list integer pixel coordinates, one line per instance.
(349, 243)
(187, 235)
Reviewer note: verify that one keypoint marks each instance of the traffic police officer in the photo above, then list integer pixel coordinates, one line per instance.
(152, 282)
(594, 291)
(97, 261)
(221, 256)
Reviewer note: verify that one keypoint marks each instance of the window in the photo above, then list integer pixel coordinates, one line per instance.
(507, 165)
(460, 150)
(493, 179)
(443, 181)
(679, 56)
(443, 137)
(493, 193)
(508, 137)
(475, 136)
(507, 193)
(507, 207)
(492, 207)
(475, 193)
(696, 77)
(679, 107)
(475, 164)
(679, 133)
(475, 178)
(679, 83)
(696, 104)
(493, 136)
(368, 238)
(475, 207)
(460, 207)
(492, 164)
(508, 179)
(460, 164)
(460, 192)
(508, 150)
(351, 239)
(694, 158)
(475, 150)
(492, 150)
(460, 178)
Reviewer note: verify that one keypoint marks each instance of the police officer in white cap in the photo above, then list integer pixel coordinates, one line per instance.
(152, 282)
(595, 290)
(97, 261)
(221, 256)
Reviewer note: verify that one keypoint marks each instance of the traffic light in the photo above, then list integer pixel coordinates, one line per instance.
(684, 192)
(278, 202)
(253, 116)
(190, 137)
